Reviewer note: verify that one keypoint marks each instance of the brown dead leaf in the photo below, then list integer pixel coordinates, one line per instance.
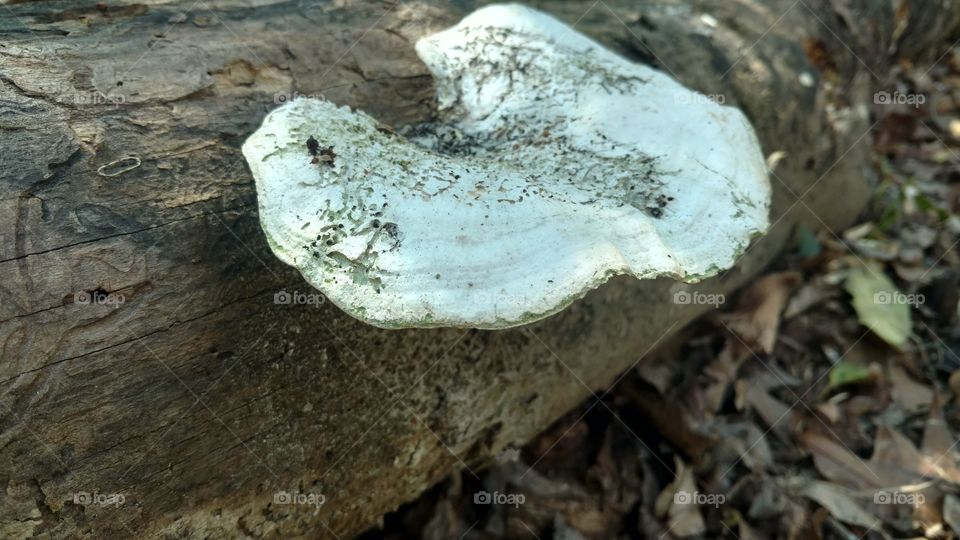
(756, 318)
(838, 464)
(927, 512)
(545, 497)
(775, 414)
(954, 382)
(746, 532)
(617, 470)
(829, 410)
(895, 128)
(808, 296)
(658, 374)
(812, 530)
(769, 500)
(907, 392)
(951, 512)
(939, 458)
(589, 523)
(564, 531)
(445, 523)
(748, 443)
(676, 504)
(723, 371)
(560, 446)
(669, 419)
(895, 459)
(840, 504)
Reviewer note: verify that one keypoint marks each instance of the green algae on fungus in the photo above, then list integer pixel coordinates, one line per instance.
(554, 165)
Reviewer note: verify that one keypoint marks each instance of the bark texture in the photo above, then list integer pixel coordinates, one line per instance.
(198, 398)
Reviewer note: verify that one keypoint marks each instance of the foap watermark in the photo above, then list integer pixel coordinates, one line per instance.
(898, 497)
(899, 98)
(885, 298)
(96, 97)
(693, 98)
(285, 97)
(683, 296)
(99, 297)
(506, 499)
(316, 500)
(85, 498)
(710, 499)
(486, 298)
(297, 298)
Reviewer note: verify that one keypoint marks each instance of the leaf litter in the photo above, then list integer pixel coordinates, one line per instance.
(823, 405)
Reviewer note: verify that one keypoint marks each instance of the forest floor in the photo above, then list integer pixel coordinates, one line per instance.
(822, 404)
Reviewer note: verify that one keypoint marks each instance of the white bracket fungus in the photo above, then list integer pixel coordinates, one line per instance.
(555, 165)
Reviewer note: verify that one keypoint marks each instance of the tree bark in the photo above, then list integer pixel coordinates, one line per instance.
(197, 397)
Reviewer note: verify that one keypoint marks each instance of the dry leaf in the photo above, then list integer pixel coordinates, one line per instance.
(840, 504)
(954, 383)
(658, 374)
(895, 459)
(744, 529)
(562, 531)
(592, 522)
(677, 502)
(829, 410)
(723, 371)
(669, 419)
(445, 523)
(938, 446)
(806, 297)
(838, 464)
(774, 413)
(951, 512)
(748, 443)
(757, 316)
(907, 392)
(769, 501)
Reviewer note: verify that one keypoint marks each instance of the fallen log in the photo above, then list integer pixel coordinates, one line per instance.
(153, 381)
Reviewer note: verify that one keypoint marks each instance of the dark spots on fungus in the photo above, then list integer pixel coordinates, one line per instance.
(375, 224)
(320, 155)
(655, 212)
(393, 231)
(327, 155)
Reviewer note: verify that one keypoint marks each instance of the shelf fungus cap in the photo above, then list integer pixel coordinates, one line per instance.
(554, 165)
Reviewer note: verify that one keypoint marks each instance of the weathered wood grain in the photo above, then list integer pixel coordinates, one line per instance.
(198, 397)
